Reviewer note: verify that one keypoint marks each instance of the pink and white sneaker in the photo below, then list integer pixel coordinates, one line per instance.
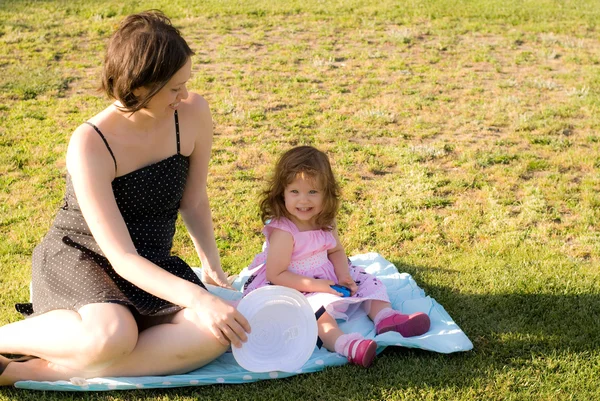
(362, 352)
(407, 325)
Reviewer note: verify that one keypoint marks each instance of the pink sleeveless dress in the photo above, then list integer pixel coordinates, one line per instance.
(309, 258)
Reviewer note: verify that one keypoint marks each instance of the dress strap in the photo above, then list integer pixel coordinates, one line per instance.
(177, 131)
(105, 142)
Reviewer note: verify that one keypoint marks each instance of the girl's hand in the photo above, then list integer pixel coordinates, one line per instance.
(347, 282)
(215, 277)
(226, 323)
(321, 285)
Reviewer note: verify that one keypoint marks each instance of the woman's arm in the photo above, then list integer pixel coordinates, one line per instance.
(92, 170)
(279, 256)
(195, 205)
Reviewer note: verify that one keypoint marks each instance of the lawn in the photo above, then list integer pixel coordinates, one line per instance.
(465, 134)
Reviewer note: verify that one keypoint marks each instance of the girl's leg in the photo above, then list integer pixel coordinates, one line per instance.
(387, 319)
(89, 339)
(376, 307)
(329, 331)
(353, 346)
(182, 345)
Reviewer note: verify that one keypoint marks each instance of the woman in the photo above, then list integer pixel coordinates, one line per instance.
(108, 299)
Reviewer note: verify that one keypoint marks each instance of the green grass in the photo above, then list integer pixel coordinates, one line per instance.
(464, 133)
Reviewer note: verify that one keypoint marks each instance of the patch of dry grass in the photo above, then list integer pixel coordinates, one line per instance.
(465, 138)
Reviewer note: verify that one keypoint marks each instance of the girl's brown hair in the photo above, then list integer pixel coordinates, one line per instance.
(309, 162)
(145, 51)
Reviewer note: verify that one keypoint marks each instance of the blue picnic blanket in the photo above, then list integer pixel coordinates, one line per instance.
(405, 295)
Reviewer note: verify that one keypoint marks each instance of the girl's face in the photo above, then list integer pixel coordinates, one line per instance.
(303, 201)
(167, 99)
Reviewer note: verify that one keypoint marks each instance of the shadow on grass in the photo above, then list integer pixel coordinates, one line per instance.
(508, 332)
(527, 321)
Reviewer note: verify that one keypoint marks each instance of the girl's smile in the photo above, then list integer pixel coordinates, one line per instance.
(303, 200)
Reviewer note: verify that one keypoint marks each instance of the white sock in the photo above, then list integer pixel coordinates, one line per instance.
(343, 342)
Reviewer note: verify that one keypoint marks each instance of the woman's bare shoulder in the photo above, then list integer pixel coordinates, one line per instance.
(194, 103)
(195, 122)
(197, 110)
(86, 138)
(87, 147)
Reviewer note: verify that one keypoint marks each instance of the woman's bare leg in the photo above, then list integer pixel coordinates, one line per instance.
(180, 346)
(91, 338)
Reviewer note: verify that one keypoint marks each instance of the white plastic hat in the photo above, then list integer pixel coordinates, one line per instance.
(284, 330)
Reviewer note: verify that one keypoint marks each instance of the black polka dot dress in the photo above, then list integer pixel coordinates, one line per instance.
(69, 269)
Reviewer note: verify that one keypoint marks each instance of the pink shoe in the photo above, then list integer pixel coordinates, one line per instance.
(407, 325)
(362, 352)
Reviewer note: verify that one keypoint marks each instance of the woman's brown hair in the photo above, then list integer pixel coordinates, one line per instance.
(145, 51)
(308, 162)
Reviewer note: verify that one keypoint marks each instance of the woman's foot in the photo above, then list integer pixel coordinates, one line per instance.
(362, 352)
(407, 325)
(4, 361)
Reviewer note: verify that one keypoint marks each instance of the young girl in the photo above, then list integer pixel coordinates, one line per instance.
(303, 252)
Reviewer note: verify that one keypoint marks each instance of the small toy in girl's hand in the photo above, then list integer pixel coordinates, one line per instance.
(344, 290)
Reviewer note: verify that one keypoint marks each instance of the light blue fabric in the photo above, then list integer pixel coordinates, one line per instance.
(444, 337)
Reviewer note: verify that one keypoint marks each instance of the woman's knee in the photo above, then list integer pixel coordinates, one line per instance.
(108, 336)
(202, 344)
(106, 344)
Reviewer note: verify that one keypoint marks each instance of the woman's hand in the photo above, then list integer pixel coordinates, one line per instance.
(347, 282)
(216, 277)
(226, 323)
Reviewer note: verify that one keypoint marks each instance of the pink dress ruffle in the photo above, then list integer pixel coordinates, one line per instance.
(309, 258)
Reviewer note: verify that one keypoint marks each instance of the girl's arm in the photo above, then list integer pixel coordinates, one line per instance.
(338, 258)
(279, 256)
(195, 206)
(92, 170)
